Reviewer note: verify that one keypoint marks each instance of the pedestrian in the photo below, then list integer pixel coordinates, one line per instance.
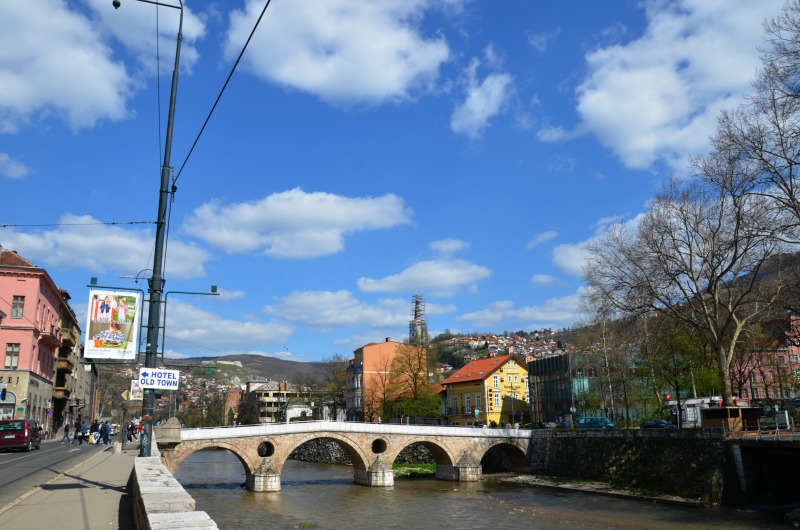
(94, 432)
(104, 430)
(78, 436)
(65, 438)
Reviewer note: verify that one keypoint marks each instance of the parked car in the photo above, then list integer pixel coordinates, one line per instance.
(20, 434)
(595, 422)
(657, 424)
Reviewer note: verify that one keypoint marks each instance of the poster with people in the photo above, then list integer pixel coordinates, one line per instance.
(136, 393)
(112, 325)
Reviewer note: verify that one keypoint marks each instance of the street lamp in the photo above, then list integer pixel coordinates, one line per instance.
(156, 281)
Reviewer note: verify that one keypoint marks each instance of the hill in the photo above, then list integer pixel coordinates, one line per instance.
(255, 367)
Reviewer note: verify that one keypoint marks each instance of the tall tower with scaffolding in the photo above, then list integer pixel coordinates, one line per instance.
(417, 326)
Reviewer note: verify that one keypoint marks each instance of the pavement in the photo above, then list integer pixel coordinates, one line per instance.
(92, 494)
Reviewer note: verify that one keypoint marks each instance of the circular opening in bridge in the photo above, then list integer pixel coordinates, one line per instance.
(378, 446)
(266, 449)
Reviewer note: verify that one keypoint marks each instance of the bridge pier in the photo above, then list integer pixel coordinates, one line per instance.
(265, 478)
(378, 474)
(465, 470)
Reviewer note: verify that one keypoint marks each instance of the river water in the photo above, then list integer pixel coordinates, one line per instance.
(323, 496)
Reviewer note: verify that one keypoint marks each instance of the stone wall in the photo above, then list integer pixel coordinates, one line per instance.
(159, 500)
(685, 463)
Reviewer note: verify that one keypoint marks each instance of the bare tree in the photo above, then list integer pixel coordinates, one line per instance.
(696, 258)
(410, 381)
(334, 382)
(379, 393)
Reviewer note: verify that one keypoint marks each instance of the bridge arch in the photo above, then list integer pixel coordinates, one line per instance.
(174, 458)
(357, 454)
(504, 455)
(442, 455)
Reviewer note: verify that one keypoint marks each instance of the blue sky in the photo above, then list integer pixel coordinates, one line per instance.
(363, 152)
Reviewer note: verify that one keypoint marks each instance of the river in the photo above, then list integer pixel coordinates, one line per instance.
(323, 496)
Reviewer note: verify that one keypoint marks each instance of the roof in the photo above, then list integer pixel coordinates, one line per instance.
(479, 369)
(10, 258)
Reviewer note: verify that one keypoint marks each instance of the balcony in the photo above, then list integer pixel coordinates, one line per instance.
(51, 338)
(65, 364)
(61, 392)
(70, 336)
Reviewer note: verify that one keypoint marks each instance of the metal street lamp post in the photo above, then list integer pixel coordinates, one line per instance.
(156, 281)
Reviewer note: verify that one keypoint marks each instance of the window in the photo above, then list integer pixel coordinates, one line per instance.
(794, 358)
(782, 360)
(496, 381)
(478, 400)
(455, 405)
(467, 402)
(12, 356)
(497, 401)
(17, 306)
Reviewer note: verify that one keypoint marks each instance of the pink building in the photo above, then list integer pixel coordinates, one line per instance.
(769, 366)
(30, 338)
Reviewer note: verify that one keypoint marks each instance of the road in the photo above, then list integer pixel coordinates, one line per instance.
(21, 472)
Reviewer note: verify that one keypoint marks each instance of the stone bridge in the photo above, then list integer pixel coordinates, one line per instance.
(263, 449)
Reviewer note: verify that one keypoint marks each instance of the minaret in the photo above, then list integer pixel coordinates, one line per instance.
(418, 327)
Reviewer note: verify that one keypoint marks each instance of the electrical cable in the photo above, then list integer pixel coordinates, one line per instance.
(224, 86)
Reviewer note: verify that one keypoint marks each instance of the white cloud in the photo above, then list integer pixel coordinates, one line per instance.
(294, 224)
(488, 317)
(553, 134)
(571, 257)
(326, 310)
(448, 247)
(54, 62)
(230, 296)
(484, 100)
(444, 277)
(135, 21)
(541, 41)
(340, 50)
(543, 279)
(83, 242)
(193, 328)
(553, 312)
(11, 168)
(658, 97)
(542, 237)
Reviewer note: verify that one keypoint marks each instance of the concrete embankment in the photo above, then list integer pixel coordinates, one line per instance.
(159, 501)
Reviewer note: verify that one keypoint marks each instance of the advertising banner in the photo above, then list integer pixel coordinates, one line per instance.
(112, 325)
(136, 393)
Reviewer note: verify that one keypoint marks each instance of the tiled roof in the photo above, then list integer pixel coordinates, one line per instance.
(12, 259)
(478, 370)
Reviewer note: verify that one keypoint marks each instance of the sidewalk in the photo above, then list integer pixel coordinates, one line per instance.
(91, 495)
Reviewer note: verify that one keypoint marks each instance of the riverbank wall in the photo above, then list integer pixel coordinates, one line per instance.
(684, 463)
(159, 500)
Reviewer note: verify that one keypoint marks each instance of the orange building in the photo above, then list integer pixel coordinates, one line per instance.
(368, 377)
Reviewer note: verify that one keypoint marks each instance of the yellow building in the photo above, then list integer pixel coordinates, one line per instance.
(494, 389)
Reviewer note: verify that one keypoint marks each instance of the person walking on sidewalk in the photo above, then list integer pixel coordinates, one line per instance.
(65, 438)
(105, 429)
(78, 437)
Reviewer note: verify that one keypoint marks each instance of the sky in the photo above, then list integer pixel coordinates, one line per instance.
(361, 153)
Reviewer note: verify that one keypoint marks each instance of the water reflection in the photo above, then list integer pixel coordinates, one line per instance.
(323, 496)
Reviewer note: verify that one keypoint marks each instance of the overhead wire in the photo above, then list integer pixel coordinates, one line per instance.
(222, 90)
